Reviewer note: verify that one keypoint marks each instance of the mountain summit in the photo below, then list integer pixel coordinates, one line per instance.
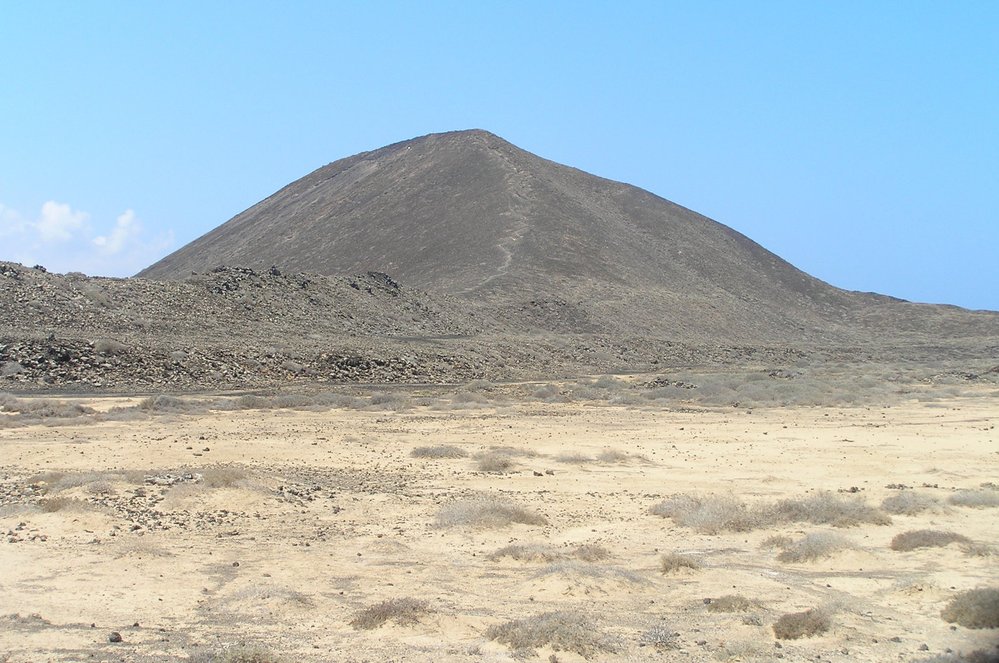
(470, 215)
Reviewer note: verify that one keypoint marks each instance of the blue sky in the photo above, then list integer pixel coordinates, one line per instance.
(858, 140)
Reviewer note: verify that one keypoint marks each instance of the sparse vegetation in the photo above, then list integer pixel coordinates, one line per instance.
(814, 546)
(795, 625)
(825, 508)
(561, 630)
(495, 463)
(54, 504)
(574, 458)
(977, 499)
(908, 503)
(925, 538)
(571, 568)
(439, 451)
(776, 541)
(486, 512)
(660, 636)
(676, 562)
(975, 608)
(403, 611)
(255, 654)
(730, 603)
(711, 514)
(587, 552)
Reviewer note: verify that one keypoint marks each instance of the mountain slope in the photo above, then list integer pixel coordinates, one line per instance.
(547, 246)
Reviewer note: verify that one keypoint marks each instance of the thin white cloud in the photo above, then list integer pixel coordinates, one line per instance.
(65, 240)
(126, 231)
(58, 222)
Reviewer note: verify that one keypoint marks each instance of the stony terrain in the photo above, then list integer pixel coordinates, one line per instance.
(436, 526)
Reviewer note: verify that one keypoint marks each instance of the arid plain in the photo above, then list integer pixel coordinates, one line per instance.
(498, 523)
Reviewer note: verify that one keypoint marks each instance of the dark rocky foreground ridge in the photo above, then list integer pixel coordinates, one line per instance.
(476, 260)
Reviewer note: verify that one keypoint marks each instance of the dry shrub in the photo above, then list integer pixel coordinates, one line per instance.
(976, 499)
(54, 504)
(979, 550)
(405, 612)
(439, 451)
(925, 538)
(825, 508)
(496, 463)
(246, 655)
(776, 541)
(224, 476)
(805, 624)
(574, 458)
(710, 514)
(816, 545)
(675, 562)
(730, 603)
(660, 636)
(587, 552)
(975, 608)
(591, 552)
(613, 456)
(560, 630)
(486, 512)
(30, 410)
(569, 568)
(908, 503)
(101, 487)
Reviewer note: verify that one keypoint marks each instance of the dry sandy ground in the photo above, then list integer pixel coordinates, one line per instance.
(300, 520)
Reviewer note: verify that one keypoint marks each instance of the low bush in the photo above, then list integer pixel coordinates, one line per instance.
(816, 545)
(976, 499)
(660, 636)
(825, 508)
(795, 625)
(495, 463)
(403, 611)
(908, 503)
(486, 512)
(439, 451)
(675, 562)
(975, 608)
(710, 514)
(730, 603)
(925, 538)
(560, 630)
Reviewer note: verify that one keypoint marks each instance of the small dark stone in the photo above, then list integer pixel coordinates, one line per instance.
(235, 563)
(924, 647)
(114, 637)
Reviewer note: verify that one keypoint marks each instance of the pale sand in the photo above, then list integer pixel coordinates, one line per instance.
(305, 567)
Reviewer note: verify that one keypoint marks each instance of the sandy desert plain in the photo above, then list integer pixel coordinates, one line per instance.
(489, 525)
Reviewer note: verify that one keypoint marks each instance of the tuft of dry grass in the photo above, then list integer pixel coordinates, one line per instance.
(710, 514)
(776, 541)
(977, 499)
(975, 608)
(730, 603)
(495, 463)
(224, 476)
(675, 562)
(569, 568)
(587, 552)
(613, 456)
(54, 504)
(486, 512)
(560, 630)
(826, 508)
(926, 538)
(795, 625)
(816, 545)
(908, 503)
(660, 636)
(246, 655)
(574, 458)
(439, 451)
(403, 611)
